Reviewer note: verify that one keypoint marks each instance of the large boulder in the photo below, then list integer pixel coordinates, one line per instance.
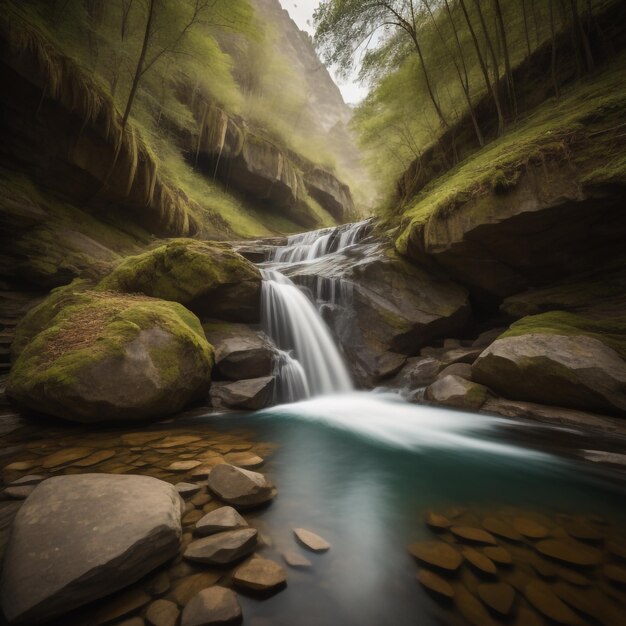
(559, 359)
(80, 538)
(211, 279)
(240, 351)
(456, 392)
(104, 356)
(251, 395)
(381, 307)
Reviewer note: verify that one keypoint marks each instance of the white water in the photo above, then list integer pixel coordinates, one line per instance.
(295, 325)
(385, 418)
(317, 243)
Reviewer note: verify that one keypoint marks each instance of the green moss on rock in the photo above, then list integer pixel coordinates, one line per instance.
(102, 356)
(210, 278)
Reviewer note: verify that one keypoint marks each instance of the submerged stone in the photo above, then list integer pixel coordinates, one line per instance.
(437, 553)
(435, 583)
(311, 541)
(211, 607)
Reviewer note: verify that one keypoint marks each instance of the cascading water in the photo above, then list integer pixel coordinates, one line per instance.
(309, 362)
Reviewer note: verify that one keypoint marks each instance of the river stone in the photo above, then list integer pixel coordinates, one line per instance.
(570, 552)
(529, 528)
(615, 573)
(55, 562)
(30, 479)
(437, 521)
(592, 602)
(471, 608)
(457, 392)
(19, 492)
(502, 529)
(189, 586)
(497, 596)
(260, 574)
(572, 576)
(571, 371)
(417, 372)
(212, 606)
(481, 562)
(473, 535)
(295, 559)
(549, 604)
(311, 541)
(222, 548)
(187, 490)
(437, 553)
(498, 555)
(435, 583)
(462, 370)
(252, 394)
(162, 613)
(64, 457)
(120, 605)
(239, 487)
(544, 568)
(617, 546)
(240, 352)
(224, 518)
(584, 531)
(244, 459)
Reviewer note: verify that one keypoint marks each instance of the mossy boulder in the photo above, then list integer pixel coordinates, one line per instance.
(211, 279)
(457, 392)
(92, 356)
(561, 359)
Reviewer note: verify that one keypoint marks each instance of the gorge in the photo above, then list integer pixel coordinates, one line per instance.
(271, 358)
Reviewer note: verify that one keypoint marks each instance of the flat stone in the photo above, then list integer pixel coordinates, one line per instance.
(121, 605)
(200, 499)
(183, 466)
(471, 608)
(310, 540)
(64, 457)
(222, 548)
(617, 547)
(21, 466)
(31, 479)
(260, 574)
(19, 492)
(435, 583)
(175, 441)
(573, 577)
(497, 596)
(95, 458)
(186, 490)
(437, 553)
(544, 568)
(501, 529)
(584, 531)
(162, 613)
(52, 562)
(215, 605)
(529, 528)
(240, 487)
(224, 518)
(592, 602)
(437, 521)
(615, 573)
(189, 586)
(473, 535)
(481, 562)
(192, 516)
(244, 459)
(570, 552)
(295, 559)
(498, 555)
(549, 604)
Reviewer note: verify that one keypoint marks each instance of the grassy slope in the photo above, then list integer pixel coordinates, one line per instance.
(579, 127)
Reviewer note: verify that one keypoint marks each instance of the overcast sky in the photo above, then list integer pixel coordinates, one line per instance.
(301, 12)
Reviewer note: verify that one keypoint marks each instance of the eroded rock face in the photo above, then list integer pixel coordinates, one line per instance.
(571, 371)
(53, 564)
(384, 307)
(92, 357)
(211, 279)
(499, 244)
(240, 351)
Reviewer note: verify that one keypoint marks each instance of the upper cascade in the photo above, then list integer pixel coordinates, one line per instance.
(317, 243)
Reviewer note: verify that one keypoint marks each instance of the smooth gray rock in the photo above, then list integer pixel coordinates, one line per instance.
(457, 392)
(80, 538)
(239, 487)
(222, 548)
(574, 371)
(260, 574)
(462, 370)
(252, 394)
(212, 606)
(417, 372)
(224, 518)
(186, 490)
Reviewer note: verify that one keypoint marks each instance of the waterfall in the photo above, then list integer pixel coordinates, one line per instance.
(296, 327)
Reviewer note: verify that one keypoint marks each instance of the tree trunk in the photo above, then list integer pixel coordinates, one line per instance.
(524, 13)
(555, 81)
(582, 36)
(507, 58)
(483, 67)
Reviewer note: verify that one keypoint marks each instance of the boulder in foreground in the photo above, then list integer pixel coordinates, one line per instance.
(80, 538)
(103, 357)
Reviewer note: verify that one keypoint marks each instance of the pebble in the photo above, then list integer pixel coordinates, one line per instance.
(437, 521)
(529, 528)
(219, 520)
(498, 555)
(215, 605)
(95, 458)
(19, 492)
(479, 561)
(437, 553)
(471, 608)
(162, 613)
(310, 540)
(584, 531)
(435, 583)
(222, 548)
(501, 529)
(244, 459)
(571, 552)
(497, 596)
(260, 574)
(188, 587)
(295, 559)
(64, 457)
(31, 479)
(473, 535)
(183, 466)
(549, 604)
(186, 490)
